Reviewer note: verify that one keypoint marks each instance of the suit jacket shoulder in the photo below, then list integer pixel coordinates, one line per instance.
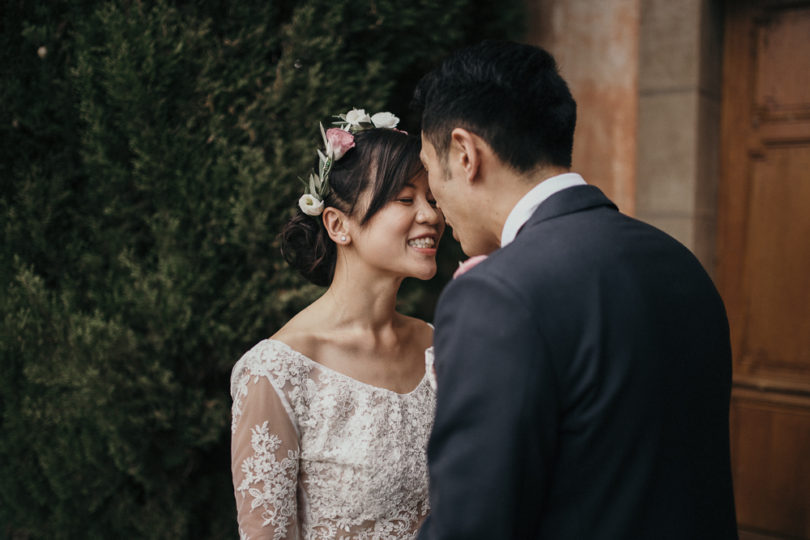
(604, 345)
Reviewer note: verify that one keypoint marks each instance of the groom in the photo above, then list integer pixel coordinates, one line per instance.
(584, 367)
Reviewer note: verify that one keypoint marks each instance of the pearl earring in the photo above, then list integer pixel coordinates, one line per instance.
(342, 238)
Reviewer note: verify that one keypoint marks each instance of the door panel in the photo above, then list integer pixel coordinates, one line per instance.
(770, 441)
(776, 256)
(764, 260)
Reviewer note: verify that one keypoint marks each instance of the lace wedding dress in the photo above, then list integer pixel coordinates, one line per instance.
(317, 454)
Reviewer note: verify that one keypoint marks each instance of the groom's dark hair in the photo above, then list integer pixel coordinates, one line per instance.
(509, 94)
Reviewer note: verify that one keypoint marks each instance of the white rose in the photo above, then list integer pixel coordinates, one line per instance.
(355, 116)
(384, 120)
(310, 205)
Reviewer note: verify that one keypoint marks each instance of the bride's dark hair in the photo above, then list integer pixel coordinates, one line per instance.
(381, 162)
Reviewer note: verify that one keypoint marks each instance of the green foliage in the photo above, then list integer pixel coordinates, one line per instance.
(149, 156)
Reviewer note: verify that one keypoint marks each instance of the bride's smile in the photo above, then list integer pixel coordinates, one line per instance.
(409, 225)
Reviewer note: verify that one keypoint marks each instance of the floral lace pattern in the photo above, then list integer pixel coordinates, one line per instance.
(263, 469)
(430, 367)
(319, 455)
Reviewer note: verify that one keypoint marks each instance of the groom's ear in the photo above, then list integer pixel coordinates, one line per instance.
(465, 152)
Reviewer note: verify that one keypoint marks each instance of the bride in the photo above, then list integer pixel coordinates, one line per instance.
(331, 415)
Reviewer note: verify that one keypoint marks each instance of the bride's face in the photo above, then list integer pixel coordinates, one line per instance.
(403, 236)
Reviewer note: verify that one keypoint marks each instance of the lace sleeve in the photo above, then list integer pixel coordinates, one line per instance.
(264, 460)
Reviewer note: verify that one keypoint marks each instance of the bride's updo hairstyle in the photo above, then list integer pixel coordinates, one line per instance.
(381, 162)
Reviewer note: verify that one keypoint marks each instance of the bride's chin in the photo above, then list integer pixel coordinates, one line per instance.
(426, 274)
(422, 271)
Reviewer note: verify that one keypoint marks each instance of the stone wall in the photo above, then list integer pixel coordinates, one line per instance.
(646, 76)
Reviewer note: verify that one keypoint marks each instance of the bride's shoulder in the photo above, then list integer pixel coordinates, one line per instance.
(299, 334)
(299, 339)
(418, 324)
(421, 331)
(271, 358)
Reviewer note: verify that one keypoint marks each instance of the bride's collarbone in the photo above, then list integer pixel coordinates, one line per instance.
(394, 361)
(399, 369)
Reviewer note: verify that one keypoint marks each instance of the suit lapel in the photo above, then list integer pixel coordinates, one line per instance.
(567, 201)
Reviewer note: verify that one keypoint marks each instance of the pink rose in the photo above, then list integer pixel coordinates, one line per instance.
(338, 142)
(466, 265)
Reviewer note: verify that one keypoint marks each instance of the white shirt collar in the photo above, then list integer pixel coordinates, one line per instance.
(526, 206)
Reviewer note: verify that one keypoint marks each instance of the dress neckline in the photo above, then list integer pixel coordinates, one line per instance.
(349, 377)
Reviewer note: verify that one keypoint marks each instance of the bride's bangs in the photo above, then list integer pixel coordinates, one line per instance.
(396, 161)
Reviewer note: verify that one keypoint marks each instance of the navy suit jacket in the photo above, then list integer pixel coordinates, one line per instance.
(584, 376)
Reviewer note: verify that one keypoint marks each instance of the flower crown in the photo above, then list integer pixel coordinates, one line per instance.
(337, 141)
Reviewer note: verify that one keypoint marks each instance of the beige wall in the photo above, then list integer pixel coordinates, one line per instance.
(646, 77)
(596, 45)
(679, 120)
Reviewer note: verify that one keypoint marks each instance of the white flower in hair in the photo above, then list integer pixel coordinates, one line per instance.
(384, 120)
(355, 117)
(336, 142)
(310, 204)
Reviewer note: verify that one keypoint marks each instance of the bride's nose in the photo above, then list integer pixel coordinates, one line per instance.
(427, 213)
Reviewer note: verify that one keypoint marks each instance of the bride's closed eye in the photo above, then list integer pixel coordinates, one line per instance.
(409, 200)
(406, 196)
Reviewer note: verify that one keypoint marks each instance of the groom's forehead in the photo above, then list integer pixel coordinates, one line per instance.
(423, 155)
(427, 150)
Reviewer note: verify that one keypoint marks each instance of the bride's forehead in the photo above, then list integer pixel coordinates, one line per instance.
(419, 181)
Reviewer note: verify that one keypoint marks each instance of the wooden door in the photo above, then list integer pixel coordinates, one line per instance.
(764, 260)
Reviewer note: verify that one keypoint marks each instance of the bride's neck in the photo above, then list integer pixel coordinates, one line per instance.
(361, 301)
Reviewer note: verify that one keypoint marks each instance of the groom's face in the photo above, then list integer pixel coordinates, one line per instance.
(448, 189)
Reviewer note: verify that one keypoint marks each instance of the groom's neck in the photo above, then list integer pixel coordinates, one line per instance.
(507, 186)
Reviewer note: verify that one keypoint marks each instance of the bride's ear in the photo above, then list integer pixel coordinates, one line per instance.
(337, 225)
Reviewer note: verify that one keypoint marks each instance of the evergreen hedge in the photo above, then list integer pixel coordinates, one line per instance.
(150, 154)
